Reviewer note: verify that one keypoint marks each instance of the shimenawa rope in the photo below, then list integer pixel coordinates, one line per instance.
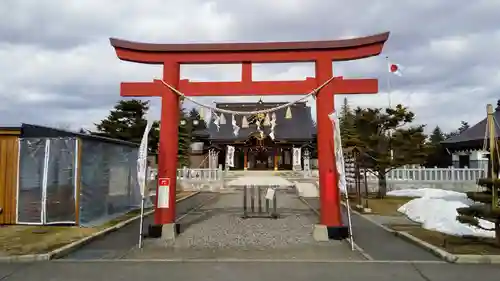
(264, 111)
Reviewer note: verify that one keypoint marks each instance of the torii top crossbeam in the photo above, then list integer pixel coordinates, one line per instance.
(246, 54)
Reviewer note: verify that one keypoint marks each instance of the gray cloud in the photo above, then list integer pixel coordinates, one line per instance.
(58, 67)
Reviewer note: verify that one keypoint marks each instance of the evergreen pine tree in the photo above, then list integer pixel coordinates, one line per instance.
(185, 130)
(372, 128)
(437, 155)
(127, 121)
(347, 126)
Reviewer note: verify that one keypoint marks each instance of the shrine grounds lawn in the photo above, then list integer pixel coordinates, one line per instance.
(24, 239)
(388, 206)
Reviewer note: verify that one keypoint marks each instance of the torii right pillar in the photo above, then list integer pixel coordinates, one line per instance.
(331, 224)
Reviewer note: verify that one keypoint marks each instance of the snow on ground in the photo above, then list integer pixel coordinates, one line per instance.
(436, 209)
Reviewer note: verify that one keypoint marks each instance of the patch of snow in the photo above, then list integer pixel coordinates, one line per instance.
(436, 210)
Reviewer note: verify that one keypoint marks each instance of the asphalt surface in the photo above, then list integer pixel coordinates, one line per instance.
(117, 244)
(248, 271)
(398, 260)
(378, 243)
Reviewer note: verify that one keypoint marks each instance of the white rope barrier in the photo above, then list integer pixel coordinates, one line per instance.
(264, 111)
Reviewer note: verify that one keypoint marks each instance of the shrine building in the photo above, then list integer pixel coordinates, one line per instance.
(258, 144)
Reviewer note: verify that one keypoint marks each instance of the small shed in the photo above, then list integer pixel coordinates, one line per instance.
(9, 147)
(470, 148)
(61, 177)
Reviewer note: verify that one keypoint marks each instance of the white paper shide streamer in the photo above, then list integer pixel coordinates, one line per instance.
(273, 125)
(259, 128)
(230, 156)
(142, 159)
(339, 155)
(217, 121)
(236, 128)
(296, 156)
(340, 164)
(142, 168)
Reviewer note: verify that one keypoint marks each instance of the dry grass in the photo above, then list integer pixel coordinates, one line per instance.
(387, 206)
(23, 239)
(452, 244)
(183, 194)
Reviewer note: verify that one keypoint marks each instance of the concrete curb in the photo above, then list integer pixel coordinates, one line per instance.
(66, 249)
(437, 251)
(356, 247)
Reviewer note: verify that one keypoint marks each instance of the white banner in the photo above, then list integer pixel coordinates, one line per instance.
(339, 154)
(142, 160)
(230, 156)
(296, 156)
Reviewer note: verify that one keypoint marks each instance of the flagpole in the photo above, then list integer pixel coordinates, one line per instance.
(388, 81)
(141, 222)
(389, 90)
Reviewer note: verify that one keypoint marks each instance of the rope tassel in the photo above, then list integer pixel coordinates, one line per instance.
(288, 114)
(244, 122)
(222, 119)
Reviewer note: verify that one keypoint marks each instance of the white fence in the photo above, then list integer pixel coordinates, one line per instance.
(432, 174)
(200, 174)
(421, 174)
(200, 179)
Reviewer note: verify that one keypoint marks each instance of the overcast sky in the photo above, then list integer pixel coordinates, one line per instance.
(59, 69)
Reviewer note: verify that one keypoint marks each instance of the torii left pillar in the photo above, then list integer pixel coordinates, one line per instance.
(322, 53)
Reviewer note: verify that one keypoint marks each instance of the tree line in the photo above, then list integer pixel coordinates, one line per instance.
(127, 121)
(386, 139)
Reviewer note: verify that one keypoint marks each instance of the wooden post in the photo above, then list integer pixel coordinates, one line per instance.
(493, 153)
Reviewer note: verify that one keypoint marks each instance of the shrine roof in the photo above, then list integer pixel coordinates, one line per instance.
(474, 137)
(299, 127)
(38, 131)
(249, 47)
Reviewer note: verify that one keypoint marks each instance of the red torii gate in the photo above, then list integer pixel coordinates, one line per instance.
(322, 53)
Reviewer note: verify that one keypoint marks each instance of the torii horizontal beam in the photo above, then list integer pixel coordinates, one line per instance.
(261, 88)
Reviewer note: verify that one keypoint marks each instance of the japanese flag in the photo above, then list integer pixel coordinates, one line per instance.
(394, 68)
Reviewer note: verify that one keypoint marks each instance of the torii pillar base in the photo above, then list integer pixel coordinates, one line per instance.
(167, 232)
(324, 233)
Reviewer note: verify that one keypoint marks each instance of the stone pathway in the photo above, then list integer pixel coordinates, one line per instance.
(217, 231)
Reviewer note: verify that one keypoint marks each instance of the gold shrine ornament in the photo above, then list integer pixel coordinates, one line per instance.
(257, 117)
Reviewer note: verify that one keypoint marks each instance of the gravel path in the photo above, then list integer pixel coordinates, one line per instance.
(223, 226)
(217, 231)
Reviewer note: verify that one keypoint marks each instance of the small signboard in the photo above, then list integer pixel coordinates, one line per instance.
(163, 192)
(270, 193)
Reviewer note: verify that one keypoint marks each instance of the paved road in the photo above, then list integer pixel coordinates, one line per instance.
(248, 271)
(380, 244)
(117, 244)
